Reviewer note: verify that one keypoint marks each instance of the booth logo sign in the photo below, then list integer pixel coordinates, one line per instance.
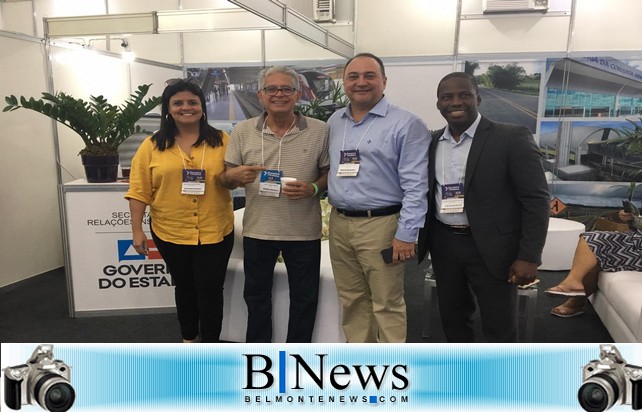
(126, 251)
(292, 375)
(139, 274)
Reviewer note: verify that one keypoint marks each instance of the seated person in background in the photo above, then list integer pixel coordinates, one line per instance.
(598, 251)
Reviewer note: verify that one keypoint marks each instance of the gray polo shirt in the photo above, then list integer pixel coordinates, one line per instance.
(303, 151)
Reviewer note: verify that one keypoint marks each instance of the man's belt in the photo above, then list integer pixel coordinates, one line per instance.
(384, 211)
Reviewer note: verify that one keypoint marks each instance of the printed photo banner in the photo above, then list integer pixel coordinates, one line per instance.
(282, 377)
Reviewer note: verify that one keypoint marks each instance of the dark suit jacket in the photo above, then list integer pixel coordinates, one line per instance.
(506, 196)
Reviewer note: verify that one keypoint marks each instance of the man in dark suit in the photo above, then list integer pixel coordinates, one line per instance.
(488, 214)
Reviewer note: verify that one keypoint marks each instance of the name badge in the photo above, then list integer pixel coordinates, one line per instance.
(270, 183)
(349, 163)
(193, 182)
(452, 198)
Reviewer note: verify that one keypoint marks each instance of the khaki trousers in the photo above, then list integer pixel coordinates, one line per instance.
(371, 292)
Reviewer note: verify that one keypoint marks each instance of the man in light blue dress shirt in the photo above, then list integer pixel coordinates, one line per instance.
(377, 185)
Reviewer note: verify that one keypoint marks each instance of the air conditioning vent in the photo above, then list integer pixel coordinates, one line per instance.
(515, 6)
(323, 10)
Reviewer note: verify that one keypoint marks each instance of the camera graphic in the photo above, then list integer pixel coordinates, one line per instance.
(610, 381)
(43, 380)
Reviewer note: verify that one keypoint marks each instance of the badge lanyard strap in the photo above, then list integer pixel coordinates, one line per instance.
(345, 130)
(443, 158)
(185, 155)
(278, 166)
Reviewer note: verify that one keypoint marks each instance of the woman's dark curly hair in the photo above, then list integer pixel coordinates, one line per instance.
(165, 137)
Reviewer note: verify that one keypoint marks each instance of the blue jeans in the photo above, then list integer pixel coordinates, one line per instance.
(302, 261)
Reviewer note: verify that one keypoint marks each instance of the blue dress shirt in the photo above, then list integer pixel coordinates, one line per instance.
(450, 167)
(393, 148)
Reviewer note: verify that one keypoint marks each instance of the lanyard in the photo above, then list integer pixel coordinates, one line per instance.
(278, 166)
(184, 155)
(345, 130)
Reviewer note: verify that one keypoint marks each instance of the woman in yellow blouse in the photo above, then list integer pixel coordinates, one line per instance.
(175, 172)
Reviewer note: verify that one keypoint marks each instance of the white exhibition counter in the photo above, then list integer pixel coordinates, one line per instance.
(106, 276)
(327, 327)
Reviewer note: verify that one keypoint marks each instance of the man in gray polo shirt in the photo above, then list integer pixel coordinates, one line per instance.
(280, 217)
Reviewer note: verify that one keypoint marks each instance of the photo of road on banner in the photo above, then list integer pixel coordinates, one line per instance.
(585, 115)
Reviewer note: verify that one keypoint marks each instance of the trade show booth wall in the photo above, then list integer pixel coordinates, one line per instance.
(420, 41)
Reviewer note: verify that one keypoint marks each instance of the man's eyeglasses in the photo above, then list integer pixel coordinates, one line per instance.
(272, 91)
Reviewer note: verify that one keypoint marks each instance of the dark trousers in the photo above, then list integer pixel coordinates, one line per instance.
(302, 261)
(198, 274)
(461, 277)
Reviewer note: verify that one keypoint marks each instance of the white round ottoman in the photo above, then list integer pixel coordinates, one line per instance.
(561, 241)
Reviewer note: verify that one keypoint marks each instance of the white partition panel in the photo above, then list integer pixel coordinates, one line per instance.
(607, 25)
(17, 17)
(129, 6)
(145, 73)
(221, 47)
(205, 4)
(500, 34)
(414, 87)
(51, 8)
(82, 73)
(343, 31)
(30, 238)
(163, 48)
(406, 27)
(281, 45)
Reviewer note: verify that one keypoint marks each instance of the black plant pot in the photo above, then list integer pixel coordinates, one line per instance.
(100, 169)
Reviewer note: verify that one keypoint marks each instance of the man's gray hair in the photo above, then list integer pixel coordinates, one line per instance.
(296, 83)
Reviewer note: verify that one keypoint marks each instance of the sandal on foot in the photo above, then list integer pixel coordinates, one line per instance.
(567, 311)
(560, 290)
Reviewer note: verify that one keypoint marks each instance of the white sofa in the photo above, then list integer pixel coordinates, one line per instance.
(327, 328)
(618, 302)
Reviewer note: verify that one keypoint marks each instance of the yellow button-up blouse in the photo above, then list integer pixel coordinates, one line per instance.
(156, 179)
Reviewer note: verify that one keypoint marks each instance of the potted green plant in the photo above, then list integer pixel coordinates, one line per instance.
(102, 126)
